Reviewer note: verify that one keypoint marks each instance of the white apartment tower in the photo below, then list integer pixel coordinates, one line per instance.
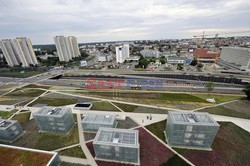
(122, 52)
(18, 51)
(67, 47)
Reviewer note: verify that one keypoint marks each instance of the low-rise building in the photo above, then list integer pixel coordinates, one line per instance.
(92, 122)
(54, 119)
(148, 53)
(190, 129)
(176, 60)
(119, 145)
(206, 56)
(105, 57)
(10, 130)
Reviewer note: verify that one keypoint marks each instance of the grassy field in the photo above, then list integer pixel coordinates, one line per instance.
(175, 161)
(6, 115)
(73, 152)
(158, 129)
(36, 86)
(52, 141)
(104, 106)
(54, 101)
(222, 110)
(25, 93)
(126, 107)
(218, 98)
(20, 75)
(22, 118)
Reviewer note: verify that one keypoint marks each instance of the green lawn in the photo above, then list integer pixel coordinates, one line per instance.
(22, 118)
(181, 97)
(54, 101)
(126, 107)
(73, 152)
(18, 74)
(6, 115)
(221, 110)
(36, 86)
(158, 129)
(25, 93)
(104, 106)
(218, 98)
(52, 141)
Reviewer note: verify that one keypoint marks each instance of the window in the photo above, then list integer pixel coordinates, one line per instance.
(189, 128)
(201, 136)
(188, 135)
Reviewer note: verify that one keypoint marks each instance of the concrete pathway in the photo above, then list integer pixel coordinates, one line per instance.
(75, 160)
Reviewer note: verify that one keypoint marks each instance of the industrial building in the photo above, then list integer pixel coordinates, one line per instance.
(190, 129)
(18, 51)
(66, 47)
(92, 122)
(236, 56)
(206, 55)
(122, 52)
(120, 145)
(148, 53)
(10, 130)
(50, 119)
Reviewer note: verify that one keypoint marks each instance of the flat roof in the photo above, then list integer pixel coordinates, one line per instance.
(12, 155)
(99, 119)
(5, 123)
(197, 118)
(117, 137)
(52, 111)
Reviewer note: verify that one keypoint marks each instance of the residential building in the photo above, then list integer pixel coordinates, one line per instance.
(190, 129)
(66, 47)
(54, 119)
(148, 53)
(10, 130)
(15, 155)
(105, 57)
(18, 51)
(206, 55)
(176, 60)
(236, 56)
(92, 122)
(122, 52)
(119, 145)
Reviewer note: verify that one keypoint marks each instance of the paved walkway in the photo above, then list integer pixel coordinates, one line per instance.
(75, 160)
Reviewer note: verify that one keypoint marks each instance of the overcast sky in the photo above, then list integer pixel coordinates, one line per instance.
(112, 20)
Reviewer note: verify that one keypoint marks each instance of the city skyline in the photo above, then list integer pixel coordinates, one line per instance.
(114, 20)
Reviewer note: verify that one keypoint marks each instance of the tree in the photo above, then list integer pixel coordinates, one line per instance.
(194, 62)
(210, 86)
(199, 66)
(180, 66)
(246, 90)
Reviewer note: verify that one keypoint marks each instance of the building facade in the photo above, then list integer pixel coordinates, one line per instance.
(50, 119)
(190, 130)
(176, 60)
(239, 57)
(18, 51)
(10, 130)
(147, 53)
(122, 52)
(119, 145)
(66, 47)
(206, 56)
(92, 122)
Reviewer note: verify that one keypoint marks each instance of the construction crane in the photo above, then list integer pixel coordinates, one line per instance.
(203, 35)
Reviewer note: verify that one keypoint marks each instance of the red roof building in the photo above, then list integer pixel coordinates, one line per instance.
(206, 56)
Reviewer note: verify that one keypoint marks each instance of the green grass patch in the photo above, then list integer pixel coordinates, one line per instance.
(158, 129)
(174, 161)
(25, 93)
(73, 152)
(36, 86)
(180, 97)
(126, 107)
(20, 75)
(22, 118)
(221, 110)
(54, 101)
(104, 106)
(218, 98)
(52, 141)
(6, 115)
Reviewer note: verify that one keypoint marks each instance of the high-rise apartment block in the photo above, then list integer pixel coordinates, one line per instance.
(122, 52)
(18, 51)
(67, 47)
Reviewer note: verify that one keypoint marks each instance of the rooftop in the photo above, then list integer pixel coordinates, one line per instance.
(117, 137)
(52, 111)
(99, 119)
(192, 118)
(177, 58)
(5, 123)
